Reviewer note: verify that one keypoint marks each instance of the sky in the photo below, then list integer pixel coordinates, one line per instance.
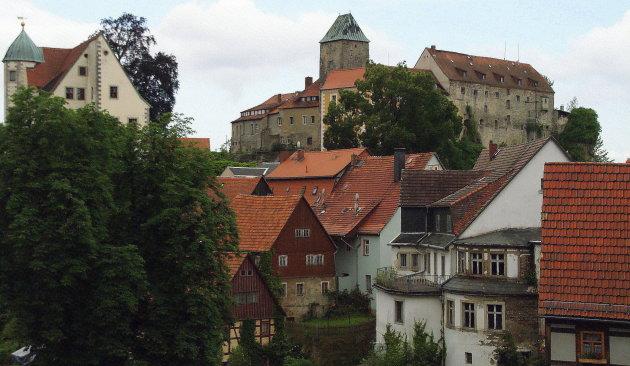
(234, 54)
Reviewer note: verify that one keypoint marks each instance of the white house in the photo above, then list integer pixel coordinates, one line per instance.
(87, 73)
(464, 261)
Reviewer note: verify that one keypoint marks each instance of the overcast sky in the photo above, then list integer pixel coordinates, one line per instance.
(234, 54)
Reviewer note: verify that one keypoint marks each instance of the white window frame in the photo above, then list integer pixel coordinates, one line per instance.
(279, 119)
(495, 314)
(450, 313)
(297, 286)
(402, 263)
(302, 233)
(284, 289)
(283, 260)
(401, 319)
(478, 261)
(304, 120)
(471, 312)
(497, 266)
(366, 247)
(324, 284)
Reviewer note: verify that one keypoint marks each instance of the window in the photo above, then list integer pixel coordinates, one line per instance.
(518, 98)
(132, 120)
(485, 93)
(12, 75)
(283, 290)
(449, 223)
(299, 288)
(475, 92)
(80, 93)
(502, 79)
(398, 305)
(113, 92)
(279, 119)
(468, 357)
(450, 312)
(477, 263)
(314, 259)
(591, 345)
(290, 120)
(304, 120)
(508, 92)
(435, 263)
(496, 123)
(437, 223)
(324, 287)
(497, 264)
(265, 328)
(69, 93)
(368, 283)
(461, 261)
(485, 108)
(402, 260)
(495, 317)
(463, 90)
(309, 141)
(319, 260)
(507, 104)
(483, 76)
(312, 120)
(302, 233)
(366, 247)
(469, 315)
(334, 97)
(283, 260)
(247, 272)
(246, 297)
(465, 73)
(415, 261)
(82, 71)
(496, 95)
(443, 265)
(427, 262)
(256, 127)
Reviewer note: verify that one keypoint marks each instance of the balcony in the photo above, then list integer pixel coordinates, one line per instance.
(389, 278)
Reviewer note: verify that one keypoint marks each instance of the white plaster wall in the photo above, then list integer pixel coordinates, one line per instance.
(511, 264)
(518, 205)
(425, 61)
(619, 350)
(72, 79)
(415, 309)
(434, 164)
(563, 347)
(461, 340)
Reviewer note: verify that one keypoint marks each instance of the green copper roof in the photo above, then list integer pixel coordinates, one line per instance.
(23, 49)
(346, 28)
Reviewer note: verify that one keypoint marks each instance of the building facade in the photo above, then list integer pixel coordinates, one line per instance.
(510, 101)
(87, 73)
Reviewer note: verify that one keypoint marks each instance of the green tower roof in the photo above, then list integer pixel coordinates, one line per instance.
(23, 49)
(346, 28)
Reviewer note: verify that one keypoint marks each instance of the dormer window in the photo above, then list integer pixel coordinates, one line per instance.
(502, 79)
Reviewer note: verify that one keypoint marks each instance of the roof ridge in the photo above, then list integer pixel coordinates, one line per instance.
(485, 57)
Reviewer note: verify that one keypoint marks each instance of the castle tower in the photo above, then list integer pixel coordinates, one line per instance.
(22, 55)
(343, 47)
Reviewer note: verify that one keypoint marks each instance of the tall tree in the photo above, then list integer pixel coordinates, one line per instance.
(155, 77)
(395, 107)
(112, 250)
(581, 136)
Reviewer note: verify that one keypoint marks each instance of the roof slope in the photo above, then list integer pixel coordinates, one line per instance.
(260, 219)
(345, 28)
(57, 63)
(315, 164)
(202, 143)
(339, 79)
(488, 71)
(423, 187)
(23, 49)
(233, 186)
(585, 263)
(366, 197)
(234, 262)
(299, 101)
(266, 108)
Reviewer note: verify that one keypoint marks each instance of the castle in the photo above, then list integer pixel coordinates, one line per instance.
(510, 101)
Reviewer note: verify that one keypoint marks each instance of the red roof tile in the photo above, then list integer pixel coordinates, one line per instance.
(233, 186)
(314, 190)
(261, 218)
(311, 91)
(57, 62)
(270, 106)
(585, 260)
(468, 68)
(316, 164)
(234, 262)
(342, 79)
(202, 143)
(366, 197)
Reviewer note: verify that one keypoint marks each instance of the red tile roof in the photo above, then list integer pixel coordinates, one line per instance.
(468, 68)
(342, 79)
(233, 186)
(306, 187)
(366, 197)
(202, 143)
(270, 106)
(311, 91)
(260, 219)
(234, 262)
(57, 62)
(316, 164)
(585, 260)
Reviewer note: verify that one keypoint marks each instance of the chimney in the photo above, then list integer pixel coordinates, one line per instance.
(399, 162)
(562, 107)
(432, 47)
(283, 155)
(279, 98)
(300, 154)
(492, 149)
(308, 81)
(354, 159)
(628, 161)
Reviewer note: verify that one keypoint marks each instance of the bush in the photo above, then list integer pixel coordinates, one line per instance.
(239, 357)
(348, 302)
(290, 361)
(422, 351)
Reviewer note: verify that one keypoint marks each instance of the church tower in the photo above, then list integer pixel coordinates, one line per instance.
(343, 47)
(22, 55)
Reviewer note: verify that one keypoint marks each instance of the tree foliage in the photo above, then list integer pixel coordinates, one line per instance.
(395, 107)
(154, 76)
(423, 350)
(112, 250)
(581, 136)
(506, 354)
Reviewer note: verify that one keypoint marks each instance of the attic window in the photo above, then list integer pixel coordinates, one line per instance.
(346, 187)
(409, 160)
(105, 52)
(483, 76)
(82, 71)
(314, 191)
(502, 79)
(85, 55)
(287, 190)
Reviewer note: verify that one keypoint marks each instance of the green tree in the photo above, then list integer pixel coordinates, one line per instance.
(66, 280)
(342, 131)
(581, 136)
(506, 354)
(396, 107)
(155, 77)
(422, 351)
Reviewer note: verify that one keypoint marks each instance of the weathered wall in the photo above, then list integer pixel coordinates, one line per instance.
(298, 131)
(341, 55)
(312, 300)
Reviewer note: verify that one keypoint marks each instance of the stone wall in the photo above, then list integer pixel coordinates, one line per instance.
(298, 131)
(298, 306)
(521, 318)
(341, 55)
